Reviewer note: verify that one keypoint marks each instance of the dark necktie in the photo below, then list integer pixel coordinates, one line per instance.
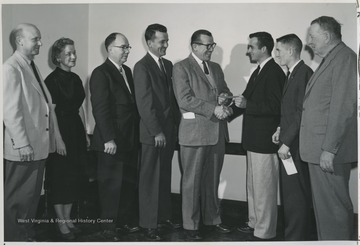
(256, 73)
(38, 79)
(206, 70)
(251, 84)
(162, 68)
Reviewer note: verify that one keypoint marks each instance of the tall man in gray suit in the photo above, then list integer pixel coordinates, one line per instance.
(30, 133)
(158, 125)
(328, 132)
(295, 188)
(198, 83)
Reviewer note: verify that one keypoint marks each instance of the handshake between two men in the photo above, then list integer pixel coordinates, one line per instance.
(223, 110)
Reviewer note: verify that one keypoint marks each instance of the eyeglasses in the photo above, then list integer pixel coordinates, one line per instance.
(123, 47)
(208, 46)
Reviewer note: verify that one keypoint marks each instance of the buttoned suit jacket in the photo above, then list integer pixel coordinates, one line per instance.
(262, 113)
(155, 100)
(114, 108)
(194, 93)
(28, 118)
(292, 105)
(329, 117)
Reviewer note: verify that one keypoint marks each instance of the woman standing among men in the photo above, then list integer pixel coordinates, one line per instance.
(63, 171)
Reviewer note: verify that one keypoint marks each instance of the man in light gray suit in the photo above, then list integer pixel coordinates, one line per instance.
(328, 131)
(30, 133)
(200, 89)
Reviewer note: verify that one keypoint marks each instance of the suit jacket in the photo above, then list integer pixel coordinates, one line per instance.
(329, 118)
(155, 99)
(291, 105)
(114, 108)
(262, 113)
(194, 93)
(27, 115)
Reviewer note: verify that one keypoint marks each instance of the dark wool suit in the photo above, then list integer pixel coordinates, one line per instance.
(158, 113)
(117, 119)
(261, 118)
(329, 123)
(295, 189)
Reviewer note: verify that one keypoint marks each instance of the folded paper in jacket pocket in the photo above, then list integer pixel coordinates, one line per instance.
(189, 115)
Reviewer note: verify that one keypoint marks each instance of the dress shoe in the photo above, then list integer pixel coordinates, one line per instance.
(65, 236)
(245, 229)
(168, 223)
(75, 230)
(109, 235)
(193, 235)
(220, 228)
(128, 229)
(152, 234)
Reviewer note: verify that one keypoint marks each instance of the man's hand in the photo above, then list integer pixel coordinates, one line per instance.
(160, 140)
(60, 146)
(221, 98)
(284, 152)
(275, 137)
(220, 113)
(26, 153)
(240, 101)
(326, 162)
(110, 147)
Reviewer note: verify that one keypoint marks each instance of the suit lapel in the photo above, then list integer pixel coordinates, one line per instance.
(118, 77)
(293, 73)
(258, 77)
(198, 70)
(321, 69)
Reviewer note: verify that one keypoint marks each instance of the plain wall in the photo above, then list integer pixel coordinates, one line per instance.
(230, 24)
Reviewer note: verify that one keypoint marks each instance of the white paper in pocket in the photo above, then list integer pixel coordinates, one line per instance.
(189, 115)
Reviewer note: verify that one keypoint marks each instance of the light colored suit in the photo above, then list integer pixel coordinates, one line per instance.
(27, 122)
(329, 123)
(26, 113)
(202, 140)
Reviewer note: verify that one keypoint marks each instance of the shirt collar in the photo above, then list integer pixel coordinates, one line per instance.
(199, 61)
(115, 64)
(292, 68)
(264, 62)
(154, 57)
(24, 57)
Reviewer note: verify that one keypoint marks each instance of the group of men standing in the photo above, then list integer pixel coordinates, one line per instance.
(310, 117)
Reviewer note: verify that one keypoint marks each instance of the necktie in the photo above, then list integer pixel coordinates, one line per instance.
(122, 72)
(206, 70)
(256, 72)
(162, 68)
(38, 79)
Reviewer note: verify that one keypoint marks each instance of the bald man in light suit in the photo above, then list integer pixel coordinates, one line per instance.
(30, 133)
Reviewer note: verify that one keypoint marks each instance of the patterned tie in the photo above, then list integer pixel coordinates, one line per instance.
(38, 79)
(205, 68)
(162, 68)
(122, 72)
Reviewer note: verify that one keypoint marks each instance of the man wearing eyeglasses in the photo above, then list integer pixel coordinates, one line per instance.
(116, 133)
(200, 90)
(158, 125)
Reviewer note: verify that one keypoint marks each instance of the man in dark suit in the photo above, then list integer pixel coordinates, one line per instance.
(328, 131)
(116, 134)
(199, 85)
(295, 188)
(261, 101)
(158, 125)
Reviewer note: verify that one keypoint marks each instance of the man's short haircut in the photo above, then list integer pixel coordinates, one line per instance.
(18, 32)
(58, 47)
(152, 29)
(329, 24)
(264, 39)
(291, 40)
(196, 35)
(110, 39)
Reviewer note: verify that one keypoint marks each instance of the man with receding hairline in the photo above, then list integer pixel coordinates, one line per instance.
(115, 137)
(328, 130)
(30, 133)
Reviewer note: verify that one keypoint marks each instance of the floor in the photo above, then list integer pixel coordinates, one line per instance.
(233, 214)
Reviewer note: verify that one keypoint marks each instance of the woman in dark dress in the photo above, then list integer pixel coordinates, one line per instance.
(63, 172)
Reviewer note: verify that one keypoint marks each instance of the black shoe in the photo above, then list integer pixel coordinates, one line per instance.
(245, 229)
(152, 234)
(128, 229)
(220, 228)
(65, 236)
(168, 223)
(109, 235)
(193, 235)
